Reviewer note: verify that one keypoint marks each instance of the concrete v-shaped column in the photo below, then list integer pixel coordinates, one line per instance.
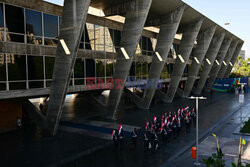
(73, 21)
(187, 43)
(220, 57)
(136, 17)
(204, 39)
(164, 43)
(227, 59)
(233, 60)
(211, 56)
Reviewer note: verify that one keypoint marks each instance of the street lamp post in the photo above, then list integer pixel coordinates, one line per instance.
(197, 126)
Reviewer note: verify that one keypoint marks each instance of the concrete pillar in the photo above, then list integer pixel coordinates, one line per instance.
(211, 56)
(215, 69)
(204, 40)
(73, 21)
(227, 59)
(187, 43)
(136, 17)
(164, 43)
(233, 60)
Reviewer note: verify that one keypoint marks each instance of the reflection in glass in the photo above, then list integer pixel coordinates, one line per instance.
(33, 26)
(100, 68)
(91, 34)
(138, 70)
(17, 86)
(144, 70)
(79, 68)
(90, 68)
(109, 47)
(132, 71)
(33, 22)
(49, 67)
(99, 37)
(2, 68)
(1, 23)
(165, 72)
(14, 19)
(35, 67)
(2, 86)
(50, 26)
(109, 68)
(16, 67)
(35, 84)
(50, 41)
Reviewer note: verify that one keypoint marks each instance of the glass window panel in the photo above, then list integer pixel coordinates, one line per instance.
(138, 70)
(35, 67)
(99, 37)
(90, 68)
(90, 29)
(48, 83)
(132, 69)
(108, 40)
(14, 19)
(34, 39)
(117, 37)
(50, 25)
(2, 86)
(49, 67)
(171, 68)
(79, 68)
(109, 68)
(1, 18)
(150, 45)
(33, 22)
(16, 67)
(153, 43)
(16, 86)
(79, 81)
(165, 72)
(15, 37)
(144, 43)
(86, 38)
(50, 41)
(100, 68)
(145, 70)
(36, 84)
(60, 21)
(2, 68)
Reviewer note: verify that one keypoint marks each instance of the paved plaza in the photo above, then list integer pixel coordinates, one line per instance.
(83, 140)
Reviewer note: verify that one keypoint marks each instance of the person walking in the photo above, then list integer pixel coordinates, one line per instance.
(19, 123)
(114, 137)
(134, 136)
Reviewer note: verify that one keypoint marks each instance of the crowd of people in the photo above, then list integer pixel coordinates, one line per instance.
(163, 129)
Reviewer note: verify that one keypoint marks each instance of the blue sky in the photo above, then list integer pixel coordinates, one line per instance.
(236, 12)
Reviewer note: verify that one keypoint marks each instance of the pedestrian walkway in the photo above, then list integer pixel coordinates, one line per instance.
(98, 129)
(75, 149)
(228, 135)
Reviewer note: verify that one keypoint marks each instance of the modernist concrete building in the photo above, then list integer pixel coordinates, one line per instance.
(150, 42)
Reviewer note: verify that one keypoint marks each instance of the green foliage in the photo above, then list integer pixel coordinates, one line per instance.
(246, 127)
(241, 68)
(216, 160)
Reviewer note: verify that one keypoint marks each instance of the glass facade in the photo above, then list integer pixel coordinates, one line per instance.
(34, 27)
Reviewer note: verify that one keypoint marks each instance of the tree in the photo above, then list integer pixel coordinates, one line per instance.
(241, 68)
